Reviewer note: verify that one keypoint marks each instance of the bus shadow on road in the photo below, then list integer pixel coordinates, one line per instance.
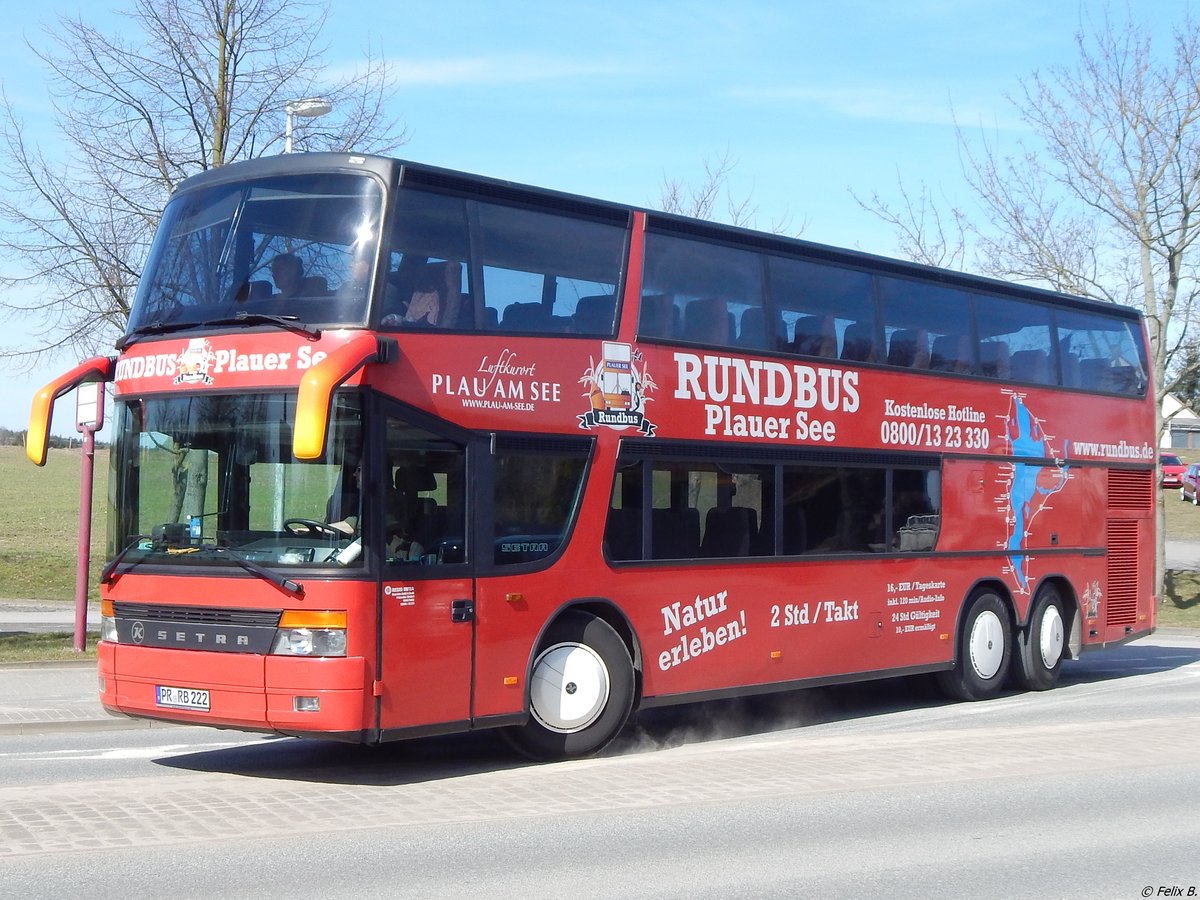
(424, 760)
(432, 759)
(1127, 661)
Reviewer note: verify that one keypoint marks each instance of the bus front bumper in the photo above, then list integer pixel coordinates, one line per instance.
(251, 692)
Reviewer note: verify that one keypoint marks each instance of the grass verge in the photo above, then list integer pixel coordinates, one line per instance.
(45, 647)
(1181, 601)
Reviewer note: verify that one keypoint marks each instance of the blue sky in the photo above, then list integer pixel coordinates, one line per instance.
(813, 100)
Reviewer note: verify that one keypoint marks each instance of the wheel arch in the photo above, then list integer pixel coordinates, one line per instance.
(602, 608)
(1072, 613)
(996, 586)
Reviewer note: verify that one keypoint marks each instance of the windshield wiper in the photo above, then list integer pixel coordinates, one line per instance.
(153, 328)
(286, 584)
(110, 568)
(291, 323)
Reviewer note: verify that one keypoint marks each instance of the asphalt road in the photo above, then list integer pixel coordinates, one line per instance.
(877, 790)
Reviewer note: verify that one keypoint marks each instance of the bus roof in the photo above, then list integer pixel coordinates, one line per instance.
(416, 174)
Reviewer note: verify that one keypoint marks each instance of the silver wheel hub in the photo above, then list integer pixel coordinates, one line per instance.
(569, 688)
(986, 645)
(1051, 639)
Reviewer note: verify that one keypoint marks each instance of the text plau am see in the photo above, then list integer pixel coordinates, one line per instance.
(726, 383)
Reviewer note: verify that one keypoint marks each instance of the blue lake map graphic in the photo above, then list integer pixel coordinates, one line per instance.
(1029, 486)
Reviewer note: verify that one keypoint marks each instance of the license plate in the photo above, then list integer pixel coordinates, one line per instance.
(181, 698)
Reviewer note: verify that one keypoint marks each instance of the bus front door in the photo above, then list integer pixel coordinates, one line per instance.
(427, 592)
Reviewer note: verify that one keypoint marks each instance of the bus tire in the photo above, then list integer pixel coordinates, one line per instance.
(984, 649)
(1040, 645)
(580, 690)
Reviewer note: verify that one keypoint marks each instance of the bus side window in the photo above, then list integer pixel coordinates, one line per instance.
(536, 494)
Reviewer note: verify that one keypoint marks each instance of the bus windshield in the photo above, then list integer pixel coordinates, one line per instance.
(211, 480)
(301, 247)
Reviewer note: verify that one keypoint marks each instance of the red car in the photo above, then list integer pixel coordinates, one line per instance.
(1172, 468)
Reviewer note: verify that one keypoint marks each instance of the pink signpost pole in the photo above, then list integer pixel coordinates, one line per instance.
(89, 418)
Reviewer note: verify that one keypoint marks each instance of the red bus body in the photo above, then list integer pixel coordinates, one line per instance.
(1039, 485)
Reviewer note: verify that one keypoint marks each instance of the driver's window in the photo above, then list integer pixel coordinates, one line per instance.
(424, 486)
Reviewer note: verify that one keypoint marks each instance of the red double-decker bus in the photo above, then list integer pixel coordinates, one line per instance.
(401, 451)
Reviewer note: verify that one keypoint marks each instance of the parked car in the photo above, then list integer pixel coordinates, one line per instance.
(1189, 488)
(1171, 468)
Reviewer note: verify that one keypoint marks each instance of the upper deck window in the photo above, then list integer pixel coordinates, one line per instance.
(703, 293)
(301, 246)
(473, 265)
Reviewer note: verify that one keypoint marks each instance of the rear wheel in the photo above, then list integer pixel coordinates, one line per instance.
(580, 690)
(1039, 654)
(983, 652)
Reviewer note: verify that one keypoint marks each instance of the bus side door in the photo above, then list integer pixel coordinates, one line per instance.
(427, 590)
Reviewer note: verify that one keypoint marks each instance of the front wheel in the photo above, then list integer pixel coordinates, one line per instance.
(1040, 646)
(580, 690)
(983, 652)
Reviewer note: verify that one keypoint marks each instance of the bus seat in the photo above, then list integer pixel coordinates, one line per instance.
(752, 330)
(952, 353)
(858, 342)
(314, 286)
(1095, 374)
(423, 517)
(594, 314)
(909, 348)
(525, 317)
(1127, 380)
(706, 321)
(249, 291)
(729, 531)
(994, 359)
(675, 533)
(659, 317)
(623, 533)
(815, 336)
(491, 318)
(795, 529)
(1070, 369)
(1030, 365)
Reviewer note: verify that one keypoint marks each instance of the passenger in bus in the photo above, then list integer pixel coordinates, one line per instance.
(287, 271)
(436, 296)
(341, 512)
(410, 517)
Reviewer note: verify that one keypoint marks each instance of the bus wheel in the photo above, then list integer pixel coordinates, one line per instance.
(580, 690)
(1039, 654)
(984, 649)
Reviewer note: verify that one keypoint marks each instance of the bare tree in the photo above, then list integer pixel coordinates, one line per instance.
(701, 200)
(924, 233)
(1106, 205)
(202, 83)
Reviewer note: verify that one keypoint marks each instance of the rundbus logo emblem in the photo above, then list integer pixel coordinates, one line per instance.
(194, 360)
(617, 387)
(138, 632)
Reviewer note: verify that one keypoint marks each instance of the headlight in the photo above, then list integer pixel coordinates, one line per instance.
(304, 632)
(310, 642)
(108, 622)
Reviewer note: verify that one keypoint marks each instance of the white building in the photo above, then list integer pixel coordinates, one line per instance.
(1183, 426)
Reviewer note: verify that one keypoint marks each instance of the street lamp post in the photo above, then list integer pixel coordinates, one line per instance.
(309, 108)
